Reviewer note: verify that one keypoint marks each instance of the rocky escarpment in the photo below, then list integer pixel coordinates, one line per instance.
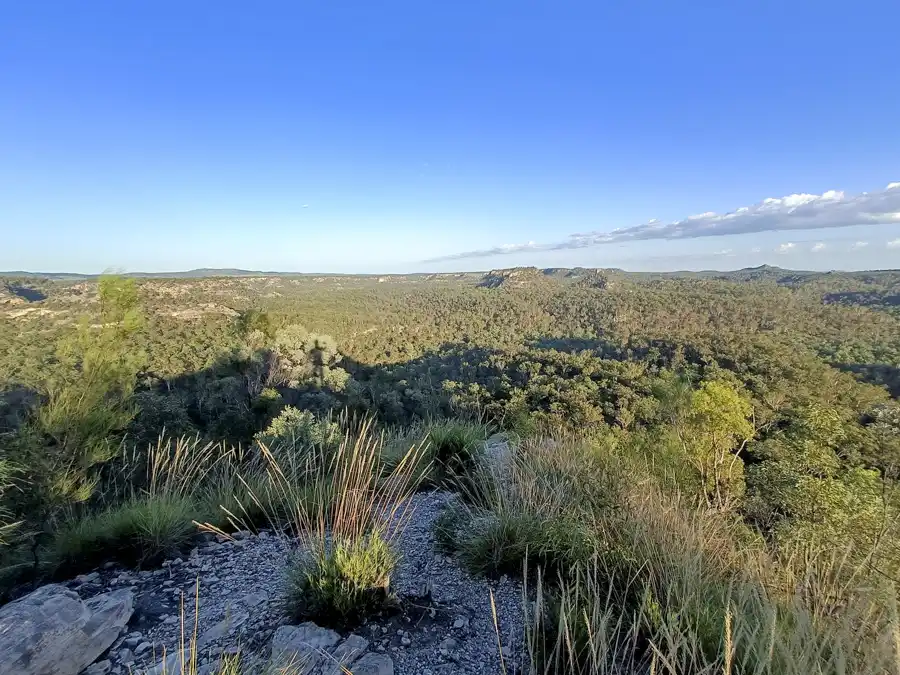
(229, 597)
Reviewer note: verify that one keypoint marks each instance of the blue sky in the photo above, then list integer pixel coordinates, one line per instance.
(395, 136)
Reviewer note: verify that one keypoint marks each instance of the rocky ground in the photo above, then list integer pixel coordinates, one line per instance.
(444, 622)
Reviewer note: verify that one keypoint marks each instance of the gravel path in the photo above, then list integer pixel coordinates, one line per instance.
(460, 637)
(444, 623)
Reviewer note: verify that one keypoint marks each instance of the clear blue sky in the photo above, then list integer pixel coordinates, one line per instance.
(394, 136)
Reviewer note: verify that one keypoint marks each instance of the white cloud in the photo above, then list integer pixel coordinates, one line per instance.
(858, 245)
(786, 248)
(895, 243)
(485, 253)
(756, 249)
(791, 213)
(818, 248)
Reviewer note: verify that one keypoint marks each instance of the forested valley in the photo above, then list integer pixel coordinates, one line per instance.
(708, 462)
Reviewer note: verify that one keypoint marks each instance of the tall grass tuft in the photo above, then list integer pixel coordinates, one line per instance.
(351, 516)
(625, 577)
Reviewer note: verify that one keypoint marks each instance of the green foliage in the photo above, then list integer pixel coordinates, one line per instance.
(141, 531)
(717, 427)
(743, 393)
(343, 584)
(158, 414)
(298, 431)
(8, 527)
(454, 447)
(87, 405)
(804, 493)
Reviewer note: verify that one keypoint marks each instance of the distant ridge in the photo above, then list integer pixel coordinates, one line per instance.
(760, 272)
(189, 274)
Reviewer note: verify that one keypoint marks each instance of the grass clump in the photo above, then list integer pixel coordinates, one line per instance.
(532, 511)
(451, 451)
(345, 584)
(630, 577)
(141, 532)
(454, 448)
(497, 543)
(348, 527)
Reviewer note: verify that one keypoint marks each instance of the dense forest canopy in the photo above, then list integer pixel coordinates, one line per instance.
(764, 392)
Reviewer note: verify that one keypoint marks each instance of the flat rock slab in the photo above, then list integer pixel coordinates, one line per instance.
(53, 632)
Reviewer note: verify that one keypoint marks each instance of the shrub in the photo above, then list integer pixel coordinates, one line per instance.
(141, 531)
(453, 450)
(347, 528)
(344, 584)
(299, 430)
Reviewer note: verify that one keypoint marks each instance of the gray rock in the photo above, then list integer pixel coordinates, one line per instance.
(345, 654)
(99, 668)
(374, 664)
(52, 632)
(224, 627)
(254, 599)
(125, 657)
(175, 664)
(302, 647)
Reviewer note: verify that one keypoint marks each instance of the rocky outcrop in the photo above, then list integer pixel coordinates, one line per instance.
(52, 631)
(227, 597)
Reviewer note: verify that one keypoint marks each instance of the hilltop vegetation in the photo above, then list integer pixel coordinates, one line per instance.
(753, 414)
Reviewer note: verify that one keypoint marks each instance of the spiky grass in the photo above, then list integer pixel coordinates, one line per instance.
(351, 513)
(454, 447)
(142, 532)
(345, 584)
(668, 588)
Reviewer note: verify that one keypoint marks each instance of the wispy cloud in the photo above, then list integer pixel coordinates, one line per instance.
(818, 247)
(894, 243)
(858, 245)
(486, 253)
(794, 212)
(786, 248)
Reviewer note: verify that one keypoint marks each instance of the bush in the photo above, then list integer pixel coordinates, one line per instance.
(343, 584)
(142, 531)
(510, 543)
(453, 449)
(356, 509)
(296, 431)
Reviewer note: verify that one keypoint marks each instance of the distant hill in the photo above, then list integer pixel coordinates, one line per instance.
(189, 274)
(760, 273)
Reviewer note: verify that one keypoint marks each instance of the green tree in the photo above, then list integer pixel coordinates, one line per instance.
(716, 428)
(87, 404)
(801, 491)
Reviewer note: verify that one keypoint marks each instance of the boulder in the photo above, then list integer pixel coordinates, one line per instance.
(302, 648)
(344, 655)
(374, 664)
(53, 632)
(178, 663)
